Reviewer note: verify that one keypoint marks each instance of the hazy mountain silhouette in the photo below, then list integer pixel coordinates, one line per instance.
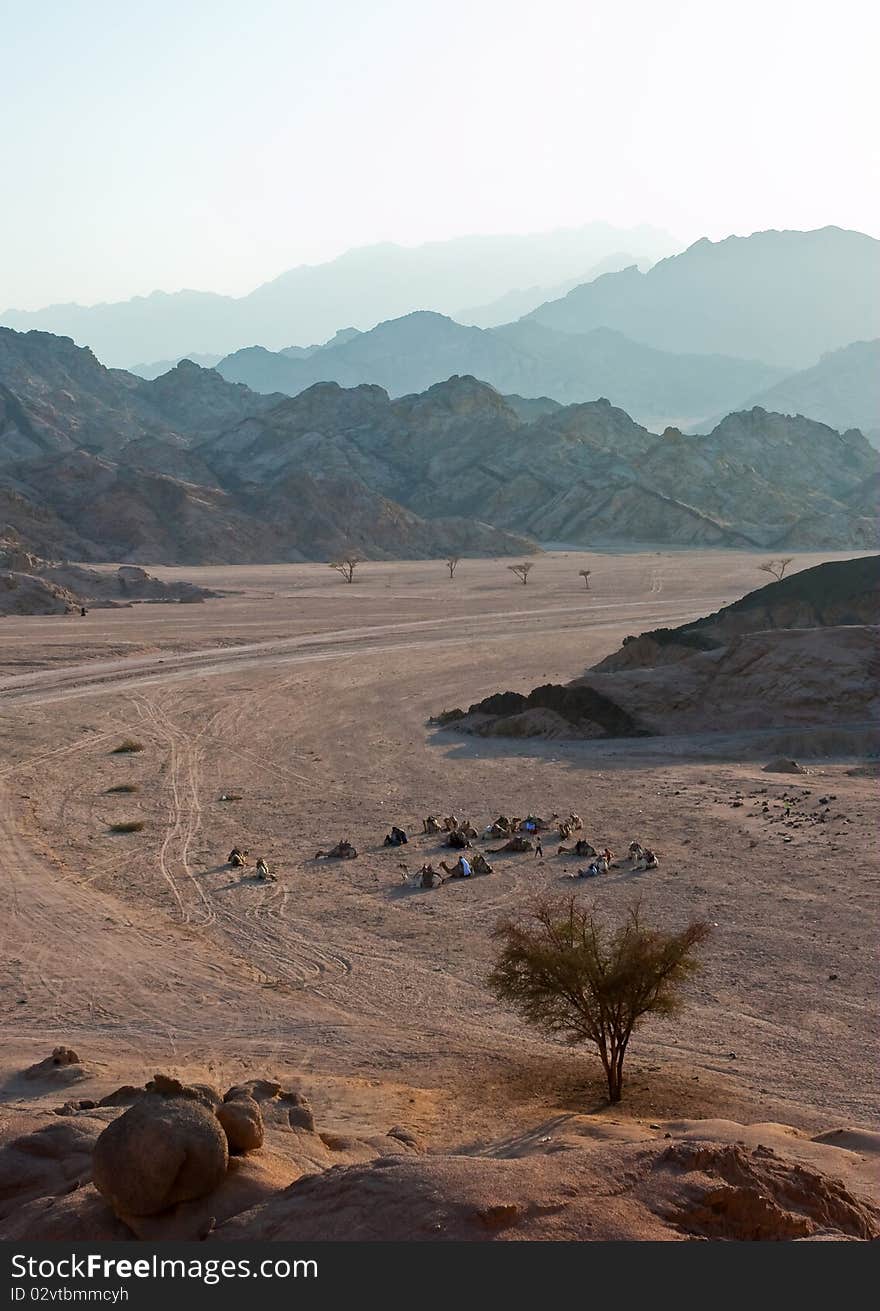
(522, 300)
(525, 358)
(782, 297)
(842, 390)
(361, 287)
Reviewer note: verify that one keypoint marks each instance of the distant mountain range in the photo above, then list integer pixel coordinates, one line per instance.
(361, 287)
(98, 464)
(843, 390)
(526, 358)
(782, 297)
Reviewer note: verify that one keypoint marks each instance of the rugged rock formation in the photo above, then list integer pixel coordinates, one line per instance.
(42, 587)
(91, 468)
(765, 662)
(840, 592)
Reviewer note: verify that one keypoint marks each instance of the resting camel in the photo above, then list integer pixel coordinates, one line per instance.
(342, 851)
(516, 843)
(478, 863)
(450, 823)
(457, 839)
(263, 871)
(236, 858)
(467, 828)
(431, 825)
(426, 877)
(647, 861)
(581, 848)
(502, 827)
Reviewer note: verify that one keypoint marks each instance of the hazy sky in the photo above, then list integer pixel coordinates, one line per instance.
(211, 144)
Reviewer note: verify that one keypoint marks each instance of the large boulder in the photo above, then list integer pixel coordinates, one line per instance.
(242, 1123)
(161, 1151)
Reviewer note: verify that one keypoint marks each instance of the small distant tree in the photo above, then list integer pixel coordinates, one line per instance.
(585, 574)
(452, 565)
(346, 566)
(776, 567)
(522, 571)
(568, 973)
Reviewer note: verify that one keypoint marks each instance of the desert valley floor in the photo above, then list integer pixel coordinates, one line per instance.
(310, 699)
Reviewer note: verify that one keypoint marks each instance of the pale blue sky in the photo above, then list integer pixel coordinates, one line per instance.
(211, 144)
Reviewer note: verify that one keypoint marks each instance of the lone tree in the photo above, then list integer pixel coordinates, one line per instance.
(585, 574)
(568, 973)
(346, 566)
(776, 567)
(522, 571)
(452, 565)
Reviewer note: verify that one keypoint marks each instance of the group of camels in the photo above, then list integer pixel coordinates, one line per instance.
(461, 833)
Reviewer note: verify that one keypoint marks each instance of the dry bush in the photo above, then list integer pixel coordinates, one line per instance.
(127, 826)
(124, 787)
(570, 974)
(522, 571)
(776, 567)
(128, 747)
(346, 566)
(452, 564)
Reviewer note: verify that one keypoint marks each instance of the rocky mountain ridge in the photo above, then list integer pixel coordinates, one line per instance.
(189, 468)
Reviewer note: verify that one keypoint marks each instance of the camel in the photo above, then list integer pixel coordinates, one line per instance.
(396, 838)
(342, 851)
(467, 828)
(430, 825)
(516, 843)
(426, 877)
(480, 865)
(262, 871)
(502, 827)
(236, 858)
(566, 827)
(450, 823)
(457, 840)
(581, 848)
(647, 861)
(456, 871)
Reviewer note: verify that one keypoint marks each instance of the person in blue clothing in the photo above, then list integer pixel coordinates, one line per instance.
(465, 866)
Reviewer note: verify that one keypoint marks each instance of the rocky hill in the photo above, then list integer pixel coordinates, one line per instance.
(191, 468)
(767, 661)
(33, 586)
(525, 358)
(842, 592)
(782, 297)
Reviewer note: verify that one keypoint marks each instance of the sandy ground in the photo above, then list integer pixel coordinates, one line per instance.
(310, 699)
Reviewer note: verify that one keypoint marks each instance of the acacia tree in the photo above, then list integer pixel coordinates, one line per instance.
(522, 571)
(585, 574)
(346, 566)
(776, 567)
(452, 565)
(569, 974)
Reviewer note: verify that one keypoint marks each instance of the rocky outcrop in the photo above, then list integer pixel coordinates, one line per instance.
(60, 588)
(840, 592)
(766, 661)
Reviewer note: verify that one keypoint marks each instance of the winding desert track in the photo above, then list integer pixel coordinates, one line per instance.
(44, 687)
